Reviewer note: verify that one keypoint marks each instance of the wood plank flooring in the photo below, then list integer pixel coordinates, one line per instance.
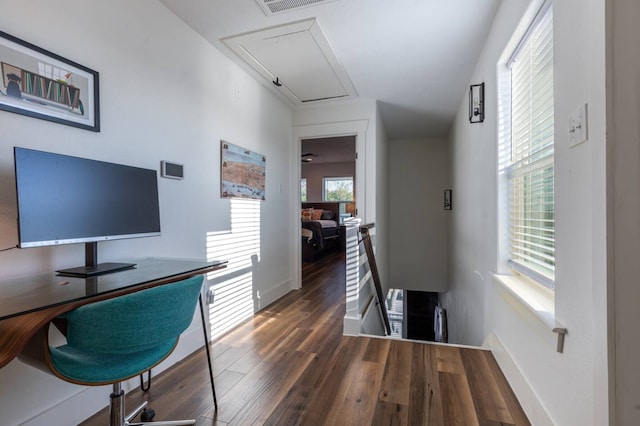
(291, 365)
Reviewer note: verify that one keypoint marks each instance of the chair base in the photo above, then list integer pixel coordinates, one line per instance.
(117, 415)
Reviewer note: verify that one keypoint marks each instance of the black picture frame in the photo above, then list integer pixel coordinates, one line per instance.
(38, 83)
(448, 202)
(476, 103)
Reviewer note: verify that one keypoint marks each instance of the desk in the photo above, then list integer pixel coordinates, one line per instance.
(28, 303)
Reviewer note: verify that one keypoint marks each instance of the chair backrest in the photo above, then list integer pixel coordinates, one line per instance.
(134, 322)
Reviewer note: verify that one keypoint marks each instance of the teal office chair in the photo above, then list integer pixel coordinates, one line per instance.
(116, 339)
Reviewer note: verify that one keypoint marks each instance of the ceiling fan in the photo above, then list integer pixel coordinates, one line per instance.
(308, 157)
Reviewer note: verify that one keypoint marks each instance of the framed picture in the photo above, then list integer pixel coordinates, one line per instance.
(41, 84)
(242, 172)
(447, 199)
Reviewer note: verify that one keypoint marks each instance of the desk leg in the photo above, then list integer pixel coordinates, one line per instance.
(206, 346)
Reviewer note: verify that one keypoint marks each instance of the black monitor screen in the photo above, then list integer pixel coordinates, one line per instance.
(64, 199)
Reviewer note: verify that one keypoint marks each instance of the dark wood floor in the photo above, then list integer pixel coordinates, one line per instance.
(291, 365)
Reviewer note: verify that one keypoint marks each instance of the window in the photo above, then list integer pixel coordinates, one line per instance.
(337, 188)
(53, 72)
(529, 165)
(303, 190)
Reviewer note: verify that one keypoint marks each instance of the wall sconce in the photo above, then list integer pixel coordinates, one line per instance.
(476, 103)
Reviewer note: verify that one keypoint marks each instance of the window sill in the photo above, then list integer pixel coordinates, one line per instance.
(533, 296)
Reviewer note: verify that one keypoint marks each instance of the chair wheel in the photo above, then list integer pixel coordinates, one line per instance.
(147, 415)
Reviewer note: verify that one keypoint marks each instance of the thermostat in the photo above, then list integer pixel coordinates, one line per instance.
(171, 170)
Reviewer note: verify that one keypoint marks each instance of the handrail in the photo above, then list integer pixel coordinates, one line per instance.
(373, 268)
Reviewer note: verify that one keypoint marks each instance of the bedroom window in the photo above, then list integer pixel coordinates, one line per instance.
(303, 190)
(527, 160)
(337, 189)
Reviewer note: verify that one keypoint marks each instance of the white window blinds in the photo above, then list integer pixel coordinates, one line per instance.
(531, 170)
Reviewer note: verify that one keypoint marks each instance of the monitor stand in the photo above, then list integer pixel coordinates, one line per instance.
(92, 267)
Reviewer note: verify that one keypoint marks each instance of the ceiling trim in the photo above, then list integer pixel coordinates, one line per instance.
(241, 45)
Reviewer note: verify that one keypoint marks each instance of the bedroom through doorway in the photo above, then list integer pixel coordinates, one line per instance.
(328, 198)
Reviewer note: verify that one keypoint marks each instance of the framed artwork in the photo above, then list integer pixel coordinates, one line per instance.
(476, 103)
(41, 84)
(447, 199)
(242, 172)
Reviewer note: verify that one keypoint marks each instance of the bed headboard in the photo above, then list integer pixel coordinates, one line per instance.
(335, 207)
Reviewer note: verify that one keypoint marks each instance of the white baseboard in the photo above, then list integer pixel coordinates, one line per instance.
(351, 326)
(91, 399)
(267, 297)
(72, 410)
(527, 397)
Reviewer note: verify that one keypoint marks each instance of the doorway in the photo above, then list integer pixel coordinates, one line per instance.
(327, 194)
(355, 129)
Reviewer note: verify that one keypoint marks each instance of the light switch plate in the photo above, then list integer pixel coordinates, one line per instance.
(578, 126)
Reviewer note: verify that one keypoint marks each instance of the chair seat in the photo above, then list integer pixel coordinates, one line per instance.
(97, 368)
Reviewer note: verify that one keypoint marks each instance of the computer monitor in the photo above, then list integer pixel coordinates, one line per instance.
(65, 200)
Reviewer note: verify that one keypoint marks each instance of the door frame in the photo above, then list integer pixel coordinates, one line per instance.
(357, 128)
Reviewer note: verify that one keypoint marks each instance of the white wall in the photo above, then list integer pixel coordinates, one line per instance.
(383, 207)
(419, 225)
(624, 178)
(165, 94)
(569, 388)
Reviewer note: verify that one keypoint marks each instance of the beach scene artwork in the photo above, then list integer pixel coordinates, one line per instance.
(243, 172)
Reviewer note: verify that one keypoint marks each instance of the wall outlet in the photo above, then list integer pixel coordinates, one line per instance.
(578, 126)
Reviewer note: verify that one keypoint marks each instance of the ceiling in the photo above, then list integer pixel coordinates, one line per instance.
(413, 56)
(330, 150)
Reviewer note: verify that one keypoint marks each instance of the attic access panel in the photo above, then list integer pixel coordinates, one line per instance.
(299, 57)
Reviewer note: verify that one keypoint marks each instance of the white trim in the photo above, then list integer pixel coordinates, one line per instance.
(424, 342)
(351, 325)
(536, 298)
(531, 404)
(303, 179)
(74, 409)
(520, 31)
(546, 5)
(344, 128)
(272, 294)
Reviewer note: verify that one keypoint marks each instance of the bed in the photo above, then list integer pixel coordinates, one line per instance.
(320, 229)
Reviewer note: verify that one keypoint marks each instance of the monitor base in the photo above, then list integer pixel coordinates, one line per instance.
(92, 271)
